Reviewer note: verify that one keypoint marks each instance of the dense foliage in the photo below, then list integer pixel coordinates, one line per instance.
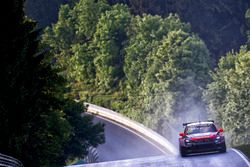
(141, 59)
(221, 24)
(164, 64)
(38, 125)
(228, 95)
(108, 41)
(130, 63)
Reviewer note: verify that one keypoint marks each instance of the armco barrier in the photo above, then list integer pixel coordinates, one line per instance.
(157, 139)
(7, 161)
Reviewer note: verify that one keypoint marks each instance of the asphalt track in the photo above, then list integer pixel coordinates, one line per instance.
(122, 143)
(124, 147)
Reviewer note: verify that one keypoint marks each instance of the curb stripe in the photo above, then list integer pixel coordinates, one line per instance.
(242, 156)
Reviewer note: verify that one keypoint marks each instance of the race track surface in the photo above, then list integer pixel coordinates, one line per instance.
(124, 147)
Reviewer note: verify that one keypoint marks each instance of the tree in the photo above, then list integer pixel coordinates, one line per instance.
(228, 95)
(83, 135)
(145, 34)
(133, 59)
(109, 40)
(29, 109)
(224, 31)
(33, 117)
(75, 53)
(175, 80)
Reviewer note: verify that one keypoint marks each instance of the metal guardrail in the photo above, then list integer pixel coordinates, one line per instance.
(92, 156)
(7, 161)
(162, 142)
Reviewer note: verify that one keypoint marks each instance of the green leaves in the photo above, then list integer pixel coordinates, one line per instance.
(86, 13)
(83, 133)
(228, 95)
(136, 64)
(109, 40)
(71, 41)
(153, 68)
(231, 104)
(35, 120)
(176, 77)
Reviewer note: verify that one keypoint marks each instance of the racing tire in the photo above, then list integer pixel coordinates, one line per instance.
(183, 152)
(223, 148)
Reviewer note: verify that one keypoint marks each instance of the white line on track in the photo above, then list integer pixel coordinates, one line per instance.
(242, 156)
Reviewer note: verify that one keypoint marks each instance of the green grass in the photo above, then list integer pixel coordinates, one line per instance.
(245, 149)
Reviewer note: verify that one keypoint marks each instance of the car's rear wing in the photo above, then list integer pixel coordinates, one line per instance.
(185, 124)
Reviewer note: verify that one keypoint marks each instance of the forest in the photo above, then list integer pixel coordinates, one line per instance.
(158, 62)
(157, 66)
(38, 124)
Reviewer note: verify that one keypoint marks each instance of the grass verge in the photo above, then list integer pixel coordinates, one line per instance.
(245, 149)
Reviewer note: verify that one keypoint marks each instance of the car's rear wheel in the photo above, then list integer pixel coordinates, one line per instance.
(183, 152)
(223, 148)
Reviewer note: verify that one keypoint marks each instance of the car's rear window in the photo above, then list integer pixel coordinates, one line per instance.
(201, 128)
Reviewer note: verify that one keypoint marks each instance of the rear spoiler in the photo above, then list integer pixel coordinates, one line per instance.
(185, 124)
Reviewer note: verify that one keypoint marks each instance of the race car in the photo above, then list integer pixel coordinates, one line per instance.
(201, 137)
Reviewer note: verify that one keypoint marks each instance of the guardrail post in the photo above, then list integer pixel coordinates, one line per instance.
(8, 161)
